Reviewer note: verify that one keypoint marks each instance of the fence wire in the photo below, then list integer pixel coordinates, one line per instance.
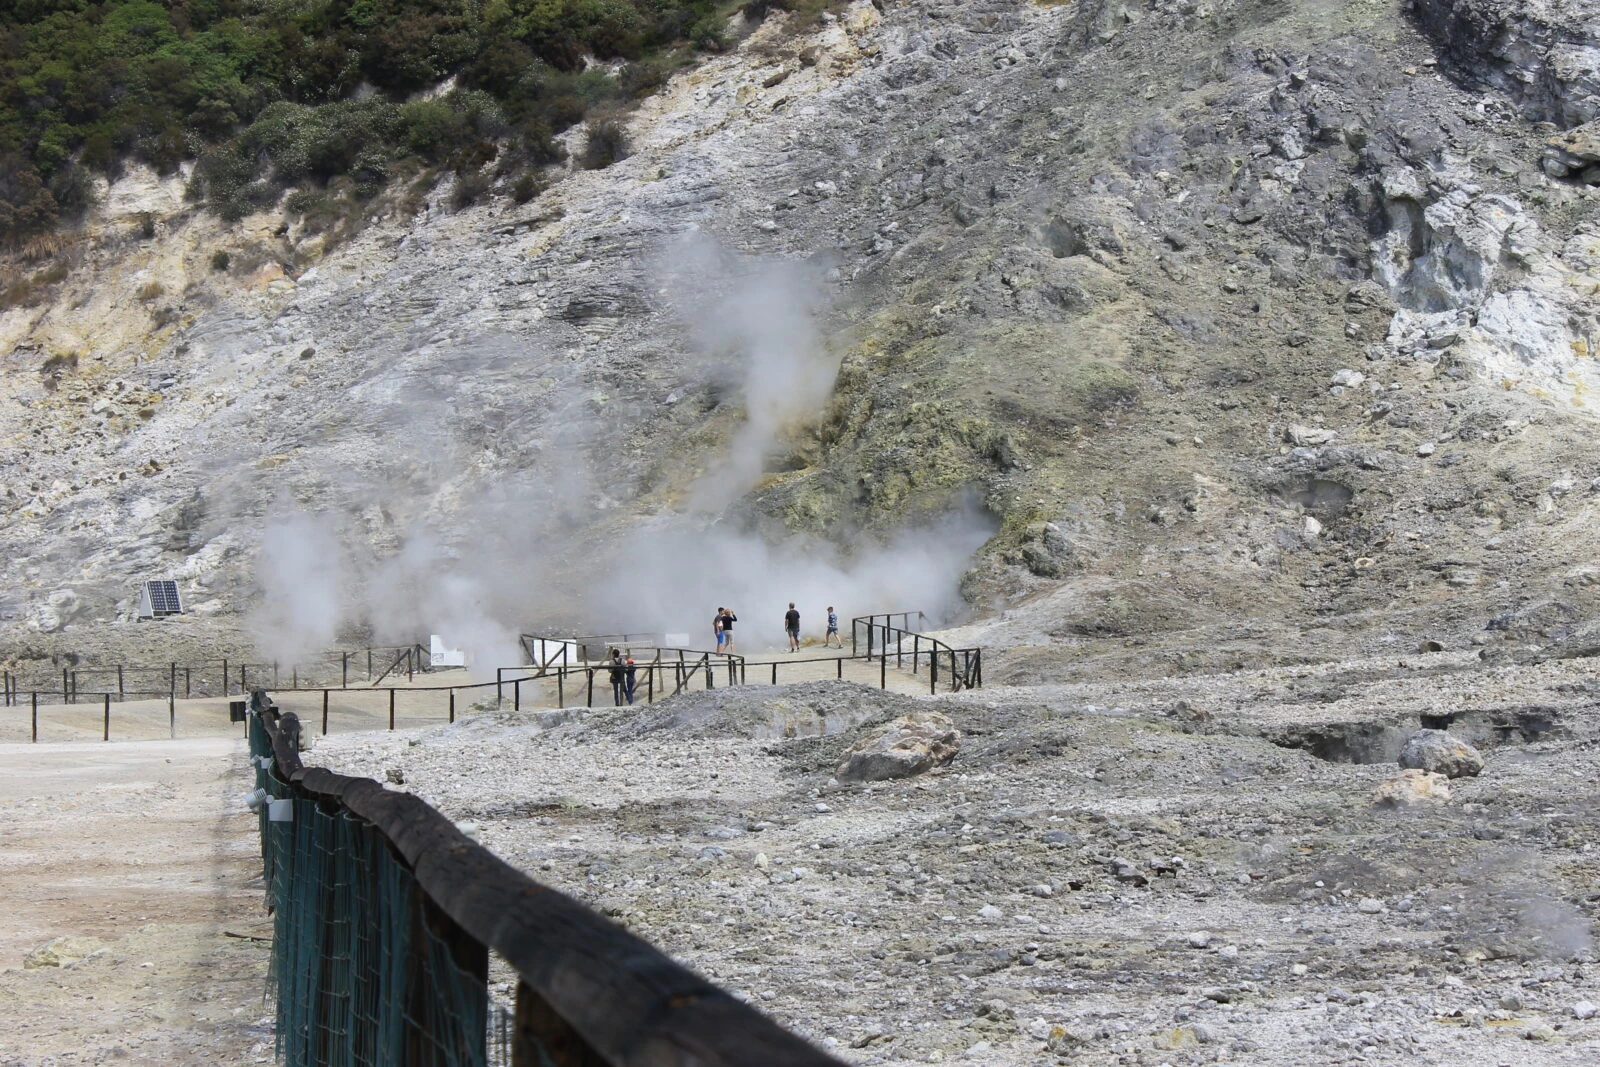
(365, 969)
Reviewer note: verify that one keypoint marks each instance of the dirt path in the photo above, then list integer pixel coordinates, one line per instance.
(144, 854)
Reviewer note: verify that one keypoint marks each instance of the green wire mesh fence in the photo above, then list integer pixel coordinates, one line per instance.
(365, 968)
(385, 916)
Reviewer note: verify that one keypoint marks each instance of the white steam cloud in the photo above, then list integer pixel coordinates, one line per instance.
(299, 571)
(672, 577)
(473, 565)
(761, 314)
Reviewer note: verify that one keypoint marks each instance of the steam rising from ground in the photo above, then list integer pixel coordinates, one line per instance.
(763, 315)
(299, 571)
(676, 576)
(483, 576)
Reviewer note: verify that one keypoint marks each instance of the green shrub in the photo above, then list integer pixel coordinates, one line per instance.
(72, 188)
(261, 92)
(221, 261)
(468, 188)
(607, 143)
(526, 187)
(26, 206)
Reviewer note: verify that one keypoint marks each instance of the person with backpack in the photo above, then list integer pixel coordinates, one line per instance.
(791, 626)
(619, 679)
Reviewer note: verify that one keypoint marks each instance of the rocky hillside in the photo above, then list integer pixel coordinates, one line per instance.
(1257, 330)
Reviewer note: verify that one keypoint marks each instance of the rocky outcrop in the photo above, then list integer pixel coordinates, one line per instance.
(1475, 274)
(907, 746)
(1439, 752)
(1447, 246)
(1575, 153)
(1543, 54)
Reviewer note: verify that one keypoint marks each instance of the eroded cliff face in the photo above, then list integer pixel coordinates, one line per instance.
(1541, 57)
(1260, 330)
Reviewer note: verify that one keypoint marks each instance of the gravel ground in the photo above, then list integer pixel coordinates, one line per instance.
(133, 930)
(1107, 873)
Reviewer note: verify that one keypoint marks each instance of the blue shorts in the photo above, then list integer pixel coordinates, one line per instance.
(721, 637)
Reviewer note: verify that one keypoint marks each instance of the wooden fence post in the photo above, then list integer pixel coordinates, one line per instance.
(172, 715)
(324, 713)
(590, 700)
(224, 679)
(452, 705)
(391, 707)
(36, 717)
(107, 705)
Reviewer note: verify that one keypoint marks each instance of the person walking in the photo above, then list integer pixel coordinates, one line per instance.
(716, 628)
(619, 672)
(833, 639)
(791, 626)
(728, 619)
(631, 676)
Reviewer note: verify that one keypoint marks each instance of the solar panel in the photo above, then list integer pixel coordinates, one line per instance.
(163, 596)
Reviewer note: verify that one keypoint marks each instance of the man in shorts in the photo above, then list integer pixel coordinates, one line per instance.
(832, 638)
(791, 626)
(716, 627)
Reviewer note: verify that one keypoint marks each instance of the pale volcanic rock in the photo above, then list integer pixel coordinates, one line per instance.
(907, 746)
(1412, 788)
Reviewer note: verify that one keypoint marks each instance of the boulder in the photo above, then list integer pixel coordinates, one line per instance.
(1574, 151)
(1411, 789)
(1308, 436)
(1442, 753)
(905, 747)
